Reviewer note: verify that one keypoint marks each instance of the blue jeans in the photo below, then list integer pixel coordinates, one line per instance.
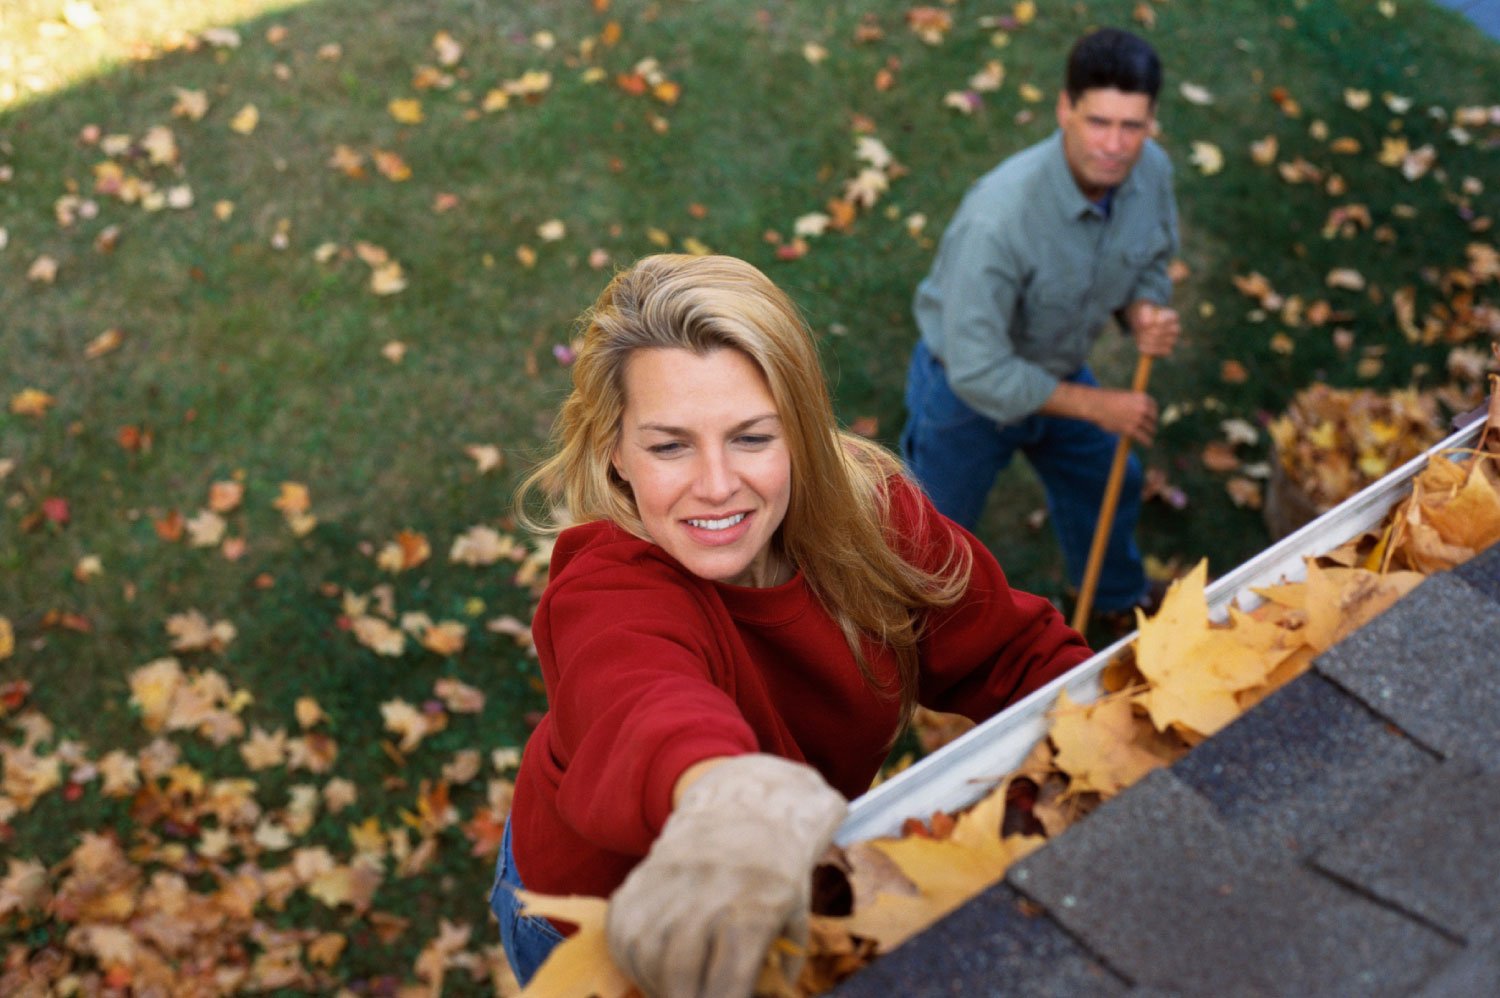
(955, 453)
(528, 940)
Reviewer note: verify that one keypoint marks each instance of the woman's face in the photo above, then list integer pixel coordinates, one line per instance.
(703, 449)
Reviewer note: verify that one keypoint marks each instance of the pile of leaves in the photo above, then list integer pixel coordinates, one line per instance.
(1332, 442)
(1185, 677)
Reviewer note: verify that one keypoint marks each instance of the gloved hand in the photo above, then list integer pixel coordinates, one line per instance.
(729, 873)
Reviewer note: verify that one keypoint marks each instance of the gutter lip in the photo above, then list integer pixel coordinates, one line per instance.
(965, 769)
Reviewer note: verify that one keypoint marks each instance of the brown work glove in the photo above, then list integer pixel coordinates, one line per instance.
(730, 872)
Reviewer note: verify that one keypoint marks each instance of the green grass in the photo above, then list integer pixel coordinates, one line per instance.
(242, 358)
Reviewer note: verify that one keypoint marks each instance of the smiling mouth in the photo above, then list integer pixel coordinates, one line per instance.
(723, 524)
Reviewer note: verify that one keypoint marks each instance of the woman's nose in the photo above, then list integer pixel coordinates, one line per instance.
(716, 477)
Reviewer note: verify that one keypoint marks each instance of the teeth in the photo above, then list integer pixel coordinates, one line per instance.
(723, 524)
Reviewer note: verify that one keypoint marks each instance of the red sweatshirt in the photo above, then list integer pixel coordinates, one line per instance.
(650, 669)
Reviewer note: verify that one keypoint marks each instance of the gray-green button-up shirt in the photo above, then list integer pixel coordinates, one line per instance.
(1029, 271)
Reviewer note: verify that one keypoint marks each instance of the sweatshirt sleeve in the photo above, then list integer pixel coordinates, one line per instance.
(996, 644)
(635, 697)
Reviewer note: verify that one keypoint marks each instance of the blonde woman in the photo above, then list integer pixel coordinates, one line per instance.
(747, 609)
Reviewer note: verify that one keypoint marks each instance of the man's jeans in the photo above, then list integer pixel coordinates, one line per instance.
(955, 453)
(528, 939)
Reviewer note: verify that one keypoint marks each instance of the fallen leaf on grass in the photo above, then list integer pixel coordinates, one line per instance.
(445, 638)
(1207, 157)
(31, 402)
(245, 119)
(1219, 456)
(191, 631)
(104, 343)
(1194, 93)
(406, 110)
(43, 270)
(406, 551)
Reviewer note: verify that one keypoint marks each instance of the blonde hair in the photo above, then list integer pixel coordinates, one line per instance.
(834, 528)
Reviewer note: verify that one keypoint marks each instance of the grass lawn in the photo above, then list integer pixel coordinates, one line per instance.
(343, 246)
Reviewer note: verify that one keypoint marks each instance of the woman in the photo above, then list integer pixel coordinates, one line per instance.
(750, 607)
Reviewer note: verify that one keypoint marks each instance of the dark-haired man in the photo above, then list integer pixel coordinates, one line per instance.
(1043, 250)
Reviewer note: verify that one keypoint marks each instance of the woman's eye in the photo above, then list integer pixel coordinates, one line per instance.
(665, 450)
(755, 440)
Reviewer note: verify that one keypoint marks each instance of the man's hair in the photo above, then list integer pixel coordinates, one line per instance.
(1112, 58)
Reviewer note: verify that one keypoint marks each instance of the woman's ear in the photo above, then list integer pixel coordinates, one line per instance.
(618, 465)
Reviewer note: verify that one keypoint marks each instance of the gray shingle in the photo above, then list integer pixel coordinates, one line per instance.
(990, 946)
(1434, 851)
(1474, 972)
(1428, 665)
(1305, 763)
(1158, 887)
(1483, 572)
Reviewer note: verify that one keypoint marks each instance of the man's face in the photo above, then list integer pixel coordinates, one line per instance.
(1103, 133)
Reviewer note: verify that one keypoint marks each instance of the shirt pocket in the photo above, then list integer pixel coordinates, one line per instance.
(1052, 315)
(1132, 261)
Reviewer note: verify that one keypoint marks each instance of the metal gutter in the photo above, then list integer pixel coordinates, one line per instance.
(965, 769)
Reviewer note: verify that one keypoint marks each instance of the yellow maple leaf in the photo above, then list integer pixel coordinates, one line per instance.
(190, 104)
(1207, 157)
(191, 631)
(245, 119)
(332, 887)
(1470, 515)
(152, 687)
(1098, 745)
(293, 499)
(947, 872)
(338, 794)
(406, 110)
(263, 749)
(7, 639)
(1194, 668)
(205, 528)
(24, 887)
(388, 279)
(104, 343)
(487, 457)
(481, 545)
(121, 774)
(379, 636)
(1342, 600)
(225, 496)
(31, 402)
(446, 637)
(409, 722)
(391, 165)
(458, 696)
(327, 948)
(580, 966)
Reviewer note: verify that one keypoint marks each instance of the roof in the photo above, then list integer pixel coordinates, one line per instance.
(1339, 838)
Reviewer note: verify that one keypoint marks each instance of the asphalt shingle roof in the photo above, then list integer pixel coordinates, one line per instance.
(1341, 838)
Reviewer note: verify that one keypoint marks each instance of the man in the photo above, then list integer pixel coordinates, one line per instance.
(1043, 250)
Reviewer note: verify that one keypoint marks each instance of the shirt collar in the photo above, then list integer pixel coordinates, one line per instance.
(1069, 197)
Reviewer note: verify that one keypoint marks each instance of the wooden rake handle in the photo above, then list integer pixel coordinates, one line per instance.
(1107, 509)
